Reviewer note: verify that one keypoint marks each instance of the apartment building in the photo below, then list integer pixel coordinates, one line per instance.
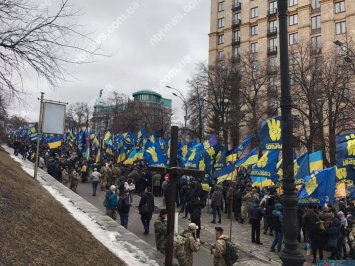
(242, 26)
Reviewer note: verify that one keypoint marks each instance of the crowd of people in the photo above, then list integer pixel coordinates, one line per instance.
(331, 227)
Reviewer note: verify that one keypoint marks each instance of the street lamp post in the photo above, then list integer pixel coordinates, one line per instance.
(186, 117)
(290, 254)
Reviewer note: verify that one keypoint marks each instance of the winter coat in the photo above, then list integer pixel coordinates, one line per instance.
(218, 249)
(277, 217)
(327, 217)
(147, 198)
(309, 220)
(111, 201)
(195, 207)
(334, 232)
(191, 246)
(160, 231)
(65, 177)
(318, 237)
(237, 199)
(248, 196)
(126, 205)
(256, 212)
(217, 197)
(156, 180)
(269, 208)
(352, 238)
(95, 176)
(51, 168)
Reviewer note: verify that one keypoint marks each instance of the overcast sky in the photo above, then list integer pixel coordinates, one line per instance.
(157, 43)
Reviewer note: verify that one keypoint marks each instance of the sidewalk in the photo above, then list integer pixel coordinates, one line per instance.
(241, 236)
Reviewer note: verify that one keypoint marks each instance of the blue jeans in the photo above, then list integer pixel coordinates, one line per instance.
(131, 196)
(124, 219)
(94, 186)
(216, 209)
(277, 241)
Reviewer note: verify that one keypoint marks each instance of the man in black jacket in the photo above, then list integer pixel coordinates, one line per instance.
(146, 212)
(195, 207)
(123, 208)
(256, 214)
(237, 205)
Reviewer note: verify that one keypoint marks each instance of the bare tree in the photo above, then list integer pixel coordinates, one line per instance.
(33, 38)
(257, 101)
(198, 107)
(78, 116)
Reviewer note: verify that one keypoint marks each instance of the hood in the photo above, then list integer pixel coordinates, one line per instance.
(224, 237)
(279, 207)
(186, 233)
(336, 222)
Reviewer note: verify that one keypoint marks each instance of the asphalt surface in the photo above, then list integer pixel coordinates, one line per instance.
(203, 256)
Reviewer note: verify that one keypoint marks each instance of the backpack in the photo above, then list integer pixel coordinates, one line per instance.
(179, 246)
(231, 255)
(119, 205)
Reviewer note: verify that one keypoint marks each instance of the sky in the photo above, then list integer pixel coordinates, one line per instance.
(153, 44)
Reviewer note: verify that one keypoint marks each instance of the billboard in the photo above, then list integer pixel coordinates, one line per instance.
(53, 118)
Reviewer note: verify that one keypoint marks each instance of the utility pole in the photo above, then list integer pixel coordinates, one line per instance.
(39, 134)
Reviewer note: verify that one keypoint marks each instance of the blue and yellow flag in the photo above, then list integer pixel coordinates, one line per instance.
(345, 149)
(193, 156)
(210, 145)
(141, 136)
(221, 158)
(131, 157)
(241, 148)
(277, 178)
(55, 141)
(301, 168)
(139, 154)
(266, 165)
(122, 155)
(315, 161)
(153, 153)
(226, 173)
(270, 134)
(261, 182)
(318, 188)
(250, 159)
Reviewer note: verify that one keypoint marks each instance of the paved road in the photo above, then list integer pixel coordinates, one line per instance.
(203, 257)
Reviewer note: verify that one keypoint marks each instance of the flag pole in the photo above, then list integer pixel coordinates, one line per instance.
(231, 219)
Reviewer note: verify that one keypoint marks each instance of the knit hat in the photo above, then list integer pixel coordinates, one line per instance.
(218, 229)
(163, 212)
(193, 226)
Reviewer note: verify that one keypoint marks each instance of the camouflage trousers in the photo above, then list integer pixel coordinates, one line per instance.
(103, 184)
(111, 213)
(74, 185)
(245, 210)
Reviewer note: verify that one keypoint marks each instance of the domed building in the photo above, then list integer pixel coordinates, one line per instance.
(148, 110)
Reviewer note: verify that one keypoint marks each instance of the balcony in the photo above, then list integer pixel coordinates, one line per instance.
(236, 22)
(272, 50)
(236, 41)
(236, 58)
(272, 12)
(272, 31)
(316, 50)
(236, 6)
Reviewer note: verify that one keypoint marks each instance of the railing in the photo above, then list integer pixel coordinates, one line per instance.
(236, 41)
(272, 31)
(272, 12)
(272, 50)
(236, 22)
(236, 6)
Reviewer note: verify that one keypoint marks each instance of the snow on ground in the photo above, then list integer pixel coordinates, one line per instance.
(122, 249)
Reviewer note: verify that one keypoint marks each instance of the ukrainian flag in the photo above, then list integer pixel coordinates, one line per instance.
(261, 182)
(250, 159)
(122, 156)
(315, 161)
(139, 154)
(226, 173)
(131, 156)
(55, 141)
(98, 155)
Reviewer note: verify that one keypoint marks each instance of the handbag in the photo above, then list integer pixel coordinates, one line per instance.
(144, 209)
(132, 187)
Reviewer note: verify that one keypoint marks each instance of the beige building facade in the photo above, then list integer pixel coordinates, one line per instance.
(251, 26)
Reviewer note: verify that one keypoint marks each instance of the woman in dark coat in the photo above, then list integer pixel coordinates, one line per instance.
(318, 237)
(334, 232)
(146, 212)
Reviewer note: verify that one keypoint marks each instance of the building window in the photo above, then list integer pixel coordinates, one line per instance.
(316, 43)
(236, 35)
(293, 38)
(255, 65)
(293, 2)
(273, 83)
(221, 39)
(236, 51)
(220, 22)
(293, 19)
(220, 55)
(254, 12)
(315, 4)
(273, 24)
(272, 44)
(221, 6)
(254, 30)
(340, 27)
(273, 5)
(254, 47)
(315, 22)
(339, 7)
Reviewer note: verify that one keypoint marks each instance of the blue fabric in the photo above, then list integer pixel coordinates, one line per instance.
(111, 201)
(94, 186)
(124, 219)
(277, 241)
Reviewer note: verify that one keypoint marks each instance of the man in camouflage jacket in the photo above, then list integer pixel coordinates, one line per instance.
(219, 248)
(161, 231)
